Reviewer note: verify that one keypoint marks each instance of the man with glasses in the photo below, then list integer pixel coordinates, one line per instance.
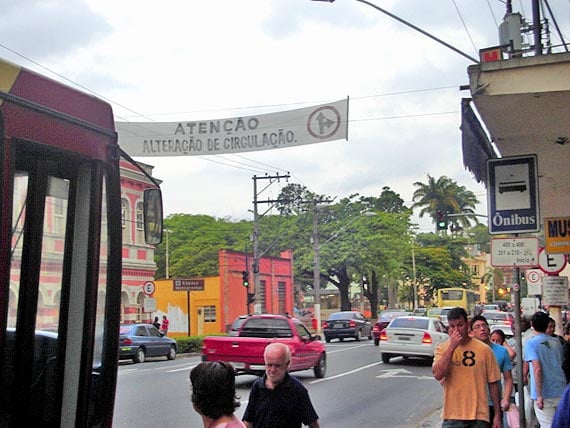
(466, 368)
(480, 330)
(277, 399)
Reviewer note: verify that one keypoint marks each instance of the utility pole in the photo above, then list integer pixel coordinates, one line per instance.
(256, 217)
(316, 267)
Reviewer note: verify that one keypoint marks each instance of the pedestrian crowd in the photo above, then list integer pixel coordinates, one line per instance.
(479, 375)
(477, 369)
(276, 400)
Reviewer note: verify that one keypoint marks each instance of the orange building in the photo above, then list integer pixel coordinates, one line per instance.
(212, 309)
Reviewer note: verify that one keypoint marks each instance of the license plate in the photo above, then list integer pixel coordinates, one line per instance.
(405, 338)
(337, 326)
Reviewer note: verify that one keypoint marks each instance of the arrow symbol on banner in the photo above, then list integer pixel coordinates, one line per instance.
(324, 123)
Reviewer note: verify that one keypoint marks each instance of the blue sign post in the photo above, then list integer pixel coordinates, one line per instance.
(512, 188)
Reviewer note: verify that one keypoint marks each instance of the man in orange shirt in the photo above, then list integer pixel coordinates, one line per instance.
(466, 367)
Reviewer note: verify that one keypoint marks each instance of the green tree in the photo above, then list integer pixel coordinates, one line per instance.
(446, 196)
(439, 262)
(479, 235)
(388, 201)
(492, 279)
(295, 199)
(194, 243)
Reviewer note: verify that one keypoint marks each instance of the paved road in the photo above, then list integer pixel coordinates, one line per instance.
(358, 390)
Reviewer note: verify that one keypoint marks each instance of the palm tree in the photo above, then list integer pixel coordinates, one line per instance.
(435, 195)
(446, 196)
(466, 202)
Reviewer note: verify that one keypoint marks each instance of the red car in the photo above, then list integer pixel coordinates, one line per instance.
(384, 319)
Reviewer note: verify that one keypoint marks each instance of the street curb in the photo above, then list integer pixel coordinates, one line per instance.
(433, 420)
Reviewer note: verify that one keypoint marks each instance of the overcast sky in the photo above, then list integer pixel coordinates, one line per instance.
(205, 59)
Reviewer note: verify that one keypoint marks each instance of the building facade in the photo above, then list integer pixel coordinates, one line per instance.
(223, 297)
(139, 266)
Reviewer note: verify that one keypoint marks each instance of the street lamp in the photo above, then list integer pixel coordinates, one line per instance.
(412, 26)
(317, 259)
(166, 232)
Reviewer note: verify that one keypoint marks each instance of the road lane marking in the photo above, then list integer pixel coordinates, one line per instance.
(182, 369)
(401, 373)
(344, 348)
(346, 373)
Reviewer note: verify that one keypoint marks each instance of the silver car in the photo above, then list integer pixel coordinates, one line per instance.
(411, 337)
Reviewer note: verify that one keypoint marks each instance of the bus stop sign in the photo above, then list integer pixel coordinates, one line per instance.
(512, 188)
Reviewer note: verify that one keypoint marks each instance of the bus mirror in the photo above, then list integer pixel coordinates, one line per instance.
(153, 216)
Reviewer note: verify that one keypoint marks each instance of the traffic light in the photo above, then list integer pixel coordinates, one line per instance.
(245, 278)
(250, 298)
(441, 220)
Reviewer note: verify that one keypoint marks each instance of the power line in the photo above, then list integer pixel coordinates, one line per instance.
(464, 26)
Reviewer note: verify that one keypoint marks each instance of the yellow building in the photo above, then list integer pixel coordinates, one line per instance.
(191, 313)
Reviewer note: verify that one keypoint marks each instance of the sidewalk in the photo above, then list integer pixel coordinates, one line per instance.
(433, 420)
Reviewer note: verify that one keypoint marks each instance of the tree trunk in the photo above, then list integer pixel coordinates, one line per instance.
(371, 293)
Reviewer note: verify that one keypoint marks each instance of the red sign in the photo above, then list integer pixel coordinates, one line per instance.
(490, 54)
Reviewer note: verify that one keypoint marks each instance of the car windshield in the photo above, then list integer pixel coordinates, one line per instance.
(238, 322)
(342, 316)
(420, 323)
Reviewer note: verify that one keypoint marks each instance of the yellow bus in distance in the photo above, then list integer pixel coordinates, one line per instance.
(456, 296)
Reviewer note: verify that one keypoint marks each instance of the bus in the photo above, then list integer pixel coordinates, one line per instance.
(456, 296)
(60, 252)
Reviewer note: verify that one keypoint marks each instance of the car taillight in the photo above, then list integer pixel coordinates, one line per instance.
(383, 336)
(352, 323)
(508, 322)
(426, 338)
(376, 328)
(325, 324)
(127, 341)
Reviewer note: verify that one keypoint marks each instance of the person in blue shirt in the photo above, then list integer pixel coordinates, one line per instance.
(562, 414)
(547, 380)
(480, 330)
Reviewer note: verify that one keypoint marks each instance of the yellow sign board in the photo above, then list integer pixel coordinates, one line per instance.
(557, 235)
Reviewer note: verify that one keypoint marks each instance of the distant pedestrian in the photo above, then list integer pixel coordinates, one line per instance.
(547, 379)
(156, 323)
(164, 325)
(467, 369)
(498, 337)
(214, 394)
(279, 400)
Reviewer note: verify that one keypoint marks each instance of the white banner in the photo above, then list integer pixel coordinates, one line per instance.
(317, 124)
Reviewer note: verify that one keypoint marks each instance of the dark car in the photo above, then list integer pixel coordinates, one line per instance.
(341, 325)
(385, 318)
(139, 341)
